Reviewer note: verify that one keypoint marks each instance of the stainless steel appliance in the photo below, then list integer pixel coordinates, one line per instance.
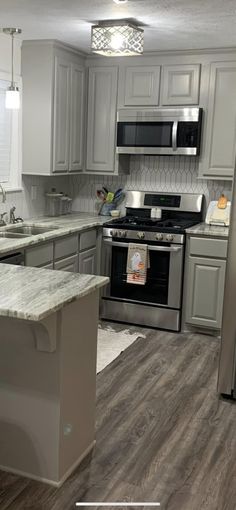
(227, 365)
(165, 131)
(157, 303)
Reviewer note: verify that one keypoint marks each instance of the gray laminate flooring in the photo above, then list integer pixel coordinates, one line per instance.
(163, 434)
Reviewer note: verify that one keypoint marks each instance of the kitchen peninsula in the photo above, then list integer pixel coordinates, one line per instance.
(48, 343)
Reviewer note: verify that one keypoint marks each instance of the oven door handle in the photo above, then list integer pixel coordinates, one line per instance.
(150, 247)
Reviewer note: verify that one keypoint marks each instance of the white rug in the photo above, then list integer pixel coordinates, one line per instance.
(111, 343)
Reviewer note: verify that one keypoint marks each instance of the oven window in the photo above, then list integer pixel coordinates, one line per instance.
(156, 288)
(144, 134)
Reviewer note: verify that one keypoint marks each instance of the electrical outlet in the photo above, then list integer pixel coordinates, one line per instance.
(33, 192)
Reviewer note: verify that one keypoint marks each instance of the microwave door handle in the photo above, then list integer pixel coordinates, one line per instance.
(174, 135)
(150, 247)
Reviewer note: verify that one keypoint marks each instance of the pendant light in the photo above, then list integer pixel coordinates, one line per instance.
(12, 94)
(117, 38)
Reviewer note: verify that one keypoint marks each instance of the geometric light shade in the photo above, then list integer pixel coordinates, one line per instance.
(117, 38)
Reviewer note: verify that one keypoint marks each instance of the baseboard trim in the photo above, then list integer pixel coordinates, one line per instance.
(46, 480)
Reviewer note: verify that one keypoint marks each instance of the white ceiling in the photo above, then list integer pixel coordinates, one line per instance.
(170, 24)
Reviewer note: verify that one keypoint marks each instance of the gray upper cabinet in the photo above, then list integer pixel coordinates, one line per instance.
(180, 84)
(142, 84)
(101, 121)
(77, 117)
(218, 158)
(53, 106)
(205, 292)
(61, 135)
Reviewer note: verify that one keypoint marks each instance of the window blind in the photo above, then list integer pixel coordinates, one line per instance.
(5, 134)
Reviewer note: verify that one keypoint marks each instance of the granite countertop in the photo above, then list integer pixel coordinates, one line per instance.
(65, 225)
(33, 293)
(203, 229)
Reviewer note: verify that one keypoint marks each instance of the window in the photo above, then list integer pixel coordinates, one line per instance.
(5, 135)
(10, 139)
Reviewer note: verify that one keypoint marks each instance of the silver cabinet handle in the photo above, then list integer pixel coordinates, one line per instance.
(150, 247)
(174, 135)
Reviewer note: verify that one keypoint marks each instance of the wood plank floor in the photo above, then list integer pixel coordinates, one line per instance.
(163, 434)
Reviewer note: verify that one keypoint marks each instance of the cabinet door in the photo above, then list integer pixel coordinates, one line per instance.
(101, 128)
(142, 86)
(205, 292)
(87, 262)
(77, 118)
(180, 85)
(61, 126)
(69, 264)
(220, 130)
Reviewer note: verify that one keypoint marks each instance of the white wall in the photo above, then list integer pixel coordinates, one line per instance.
(25, 207)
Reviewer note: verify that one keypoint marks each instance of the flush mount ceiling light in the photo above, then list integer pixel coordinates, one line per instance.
(117, 38)
(120, 1)
(12, 93)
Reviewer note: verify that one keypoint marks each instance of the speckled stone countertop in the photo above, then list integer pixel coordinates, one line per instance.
(33, 293)
(64, 225)
(203, 229)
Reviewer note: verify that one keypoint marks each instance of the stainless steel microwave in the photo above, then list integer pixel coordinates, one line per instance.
(164, 131)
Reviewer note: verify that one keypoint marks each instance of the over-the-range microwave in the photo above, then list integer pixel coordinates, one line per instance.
(163, 131)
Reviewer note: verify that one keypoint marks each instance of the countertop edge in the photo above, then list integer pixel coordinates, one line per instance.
(101, 282)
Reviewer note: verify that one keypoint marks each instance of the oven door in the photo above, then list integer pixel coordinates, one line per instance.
(164, 276)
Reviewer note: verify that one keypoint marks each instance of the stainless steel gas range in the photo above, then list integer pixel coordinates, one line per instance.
(157, 303)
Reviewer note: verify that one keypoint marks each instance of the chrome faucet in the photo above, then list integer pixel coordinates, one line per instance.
(2, 221)
(4, 197)
(13, 219)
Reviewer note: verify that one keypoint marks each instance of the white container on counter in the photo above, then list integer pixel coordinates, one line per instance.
(53, 203)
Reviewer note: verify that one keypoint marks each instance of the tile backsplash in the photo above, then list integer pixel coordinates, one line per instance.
(25, 206)
(149, 173)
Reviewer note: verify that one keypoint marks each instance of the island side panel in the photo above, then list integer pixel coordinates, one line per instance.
(29, 403)
(78, 380)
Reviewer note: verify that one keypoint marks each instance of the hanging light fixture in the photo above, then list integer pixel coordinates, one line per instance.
(117, 38)
(12, 94)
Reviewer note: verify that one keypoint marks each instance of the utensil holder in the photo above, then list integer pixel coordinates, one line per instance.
(107, 208)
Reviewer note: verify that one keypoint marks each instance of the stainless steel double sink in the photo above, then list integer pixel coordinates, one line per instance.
(21, 231)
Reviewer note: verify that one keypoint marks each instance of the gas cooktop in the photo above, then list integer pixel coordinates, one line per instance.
(152, 225)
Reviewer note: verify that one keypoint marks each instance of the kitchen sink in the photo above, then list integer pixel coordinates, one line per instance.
(29, 230)
(13, 235)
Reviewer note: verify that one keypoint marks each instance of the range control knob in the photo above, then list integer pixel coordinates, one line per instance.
(159, 237)
(141, 235)
(169, 237)
(114, 233)
(122, 233)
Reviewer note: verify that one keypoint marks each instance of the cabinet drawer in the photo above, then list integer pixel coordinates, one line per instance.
(88, 239)
(69, 264)
(208, 247)
(66, 246)
(39, 255)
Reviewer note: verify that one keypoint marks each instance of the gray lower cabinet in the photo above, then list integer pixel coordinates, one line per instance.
(40, 255)
(88, 262)
(68, 264)
(205, 294)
